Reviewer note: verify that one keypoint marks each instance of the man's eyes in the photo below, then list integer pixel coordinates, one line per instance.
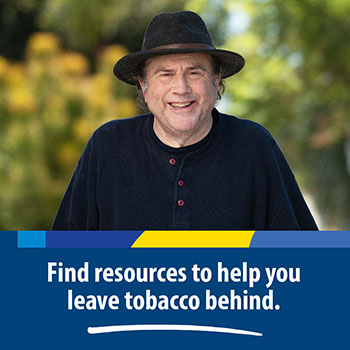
(196, 73)
(190, 74)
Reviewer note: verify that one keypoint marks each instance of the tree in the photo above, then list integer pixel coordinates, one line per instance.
(296, 84)
(17, 23)
(85, 25)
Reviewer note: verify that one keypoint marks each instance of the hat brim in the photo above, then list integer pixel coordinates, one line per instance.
(129, 67)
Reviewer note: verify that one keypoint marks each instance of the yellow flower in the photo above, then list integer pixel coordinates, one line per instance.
(20, 100)
(74, 63)
(125, 108)
(110, 55)
(83, 128)
(100, 91)
(42, 45)
(15, 74)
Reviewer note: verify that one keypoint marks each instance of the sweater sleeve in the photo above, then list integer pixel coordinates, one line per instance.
(78, 209)
(290, 209)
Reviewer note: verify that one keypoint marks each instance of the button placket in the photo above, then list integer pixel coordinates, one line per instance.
(180, 202)
(181, 214)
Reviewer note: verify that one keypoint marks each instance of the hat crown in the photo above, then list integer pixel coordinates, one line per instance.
(184, 27)
(175, 33)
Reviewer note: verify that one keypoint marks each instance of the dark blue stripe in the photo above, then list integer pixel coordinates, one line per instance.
(91, 239)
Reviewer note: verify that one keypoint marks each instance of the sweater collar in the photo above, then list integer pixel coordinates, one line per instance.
(195, 149)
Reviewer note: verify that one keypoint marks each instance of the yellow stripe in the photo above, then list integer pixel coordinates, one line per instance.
(194, 239)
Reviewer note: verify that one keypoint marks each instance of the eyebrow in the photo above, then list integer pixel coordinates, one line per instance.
(163, 70)
(198, 66)
(168, 70)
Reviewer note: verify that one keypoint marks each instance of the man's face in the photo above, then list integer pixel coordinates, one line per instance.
(180, 90)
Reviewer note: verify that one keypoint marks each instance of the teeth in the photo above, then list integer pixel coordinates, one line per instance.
(180, 105)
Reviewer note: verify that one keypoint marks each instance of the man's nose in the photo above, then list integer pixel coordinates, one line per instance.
(180, 84)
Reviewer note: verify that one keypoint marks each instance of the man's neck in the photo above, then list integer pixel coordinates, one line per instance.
(182, 139)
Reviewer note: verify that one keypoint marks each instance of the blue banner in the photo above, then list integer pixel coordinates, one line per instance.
(85, 295)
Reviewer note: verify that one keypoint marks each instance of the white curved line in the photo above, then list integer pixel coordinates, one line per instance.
(169, 327)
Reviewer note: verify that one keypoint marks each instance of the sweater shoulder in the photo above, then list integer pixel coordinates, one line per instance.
(244, 130)
(117, 134)
(121, 126)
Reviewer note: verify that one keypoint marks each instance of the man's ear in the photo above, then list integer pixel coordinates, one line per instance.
(218, 79)
(142, 84)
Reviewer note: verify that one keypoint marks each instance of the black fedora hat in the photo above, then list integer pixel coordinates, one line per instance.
(172, 33)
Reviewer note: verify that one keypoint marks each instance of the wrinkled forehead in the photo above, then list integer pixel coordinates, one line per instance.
(179, 61)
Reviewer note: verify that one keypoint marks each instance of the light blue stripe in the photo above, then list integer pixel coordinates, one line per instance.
(31, 239)
(301, 239)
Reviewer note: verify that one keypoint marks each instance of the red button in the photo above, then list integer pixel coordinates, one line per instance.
(180, 203)
(181, 183)
(172, 161)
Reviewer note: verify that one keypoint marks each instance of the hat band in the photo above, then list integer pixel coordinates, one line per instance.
(194, 46)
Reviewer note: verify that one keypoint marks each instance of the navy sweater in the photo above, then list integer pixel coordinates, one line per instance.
(236, 178)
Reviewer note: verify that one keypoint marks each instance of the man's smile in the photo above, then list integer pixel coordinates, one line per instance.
(181, 105)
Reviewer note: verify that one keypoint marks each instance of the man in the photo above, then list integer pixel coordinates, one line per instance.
(184, 165)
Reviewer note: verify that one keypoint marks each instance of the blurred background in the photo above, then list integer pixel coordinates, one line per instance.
(57, 87)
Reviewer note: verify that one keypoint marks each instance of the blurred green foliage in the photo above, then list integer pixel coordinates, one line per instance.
(296, 83)
(85, 25)
(61, 88)
(50, 106)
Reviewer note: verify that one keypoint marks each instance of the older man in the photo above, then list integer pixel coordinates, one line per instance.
(184, 165)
